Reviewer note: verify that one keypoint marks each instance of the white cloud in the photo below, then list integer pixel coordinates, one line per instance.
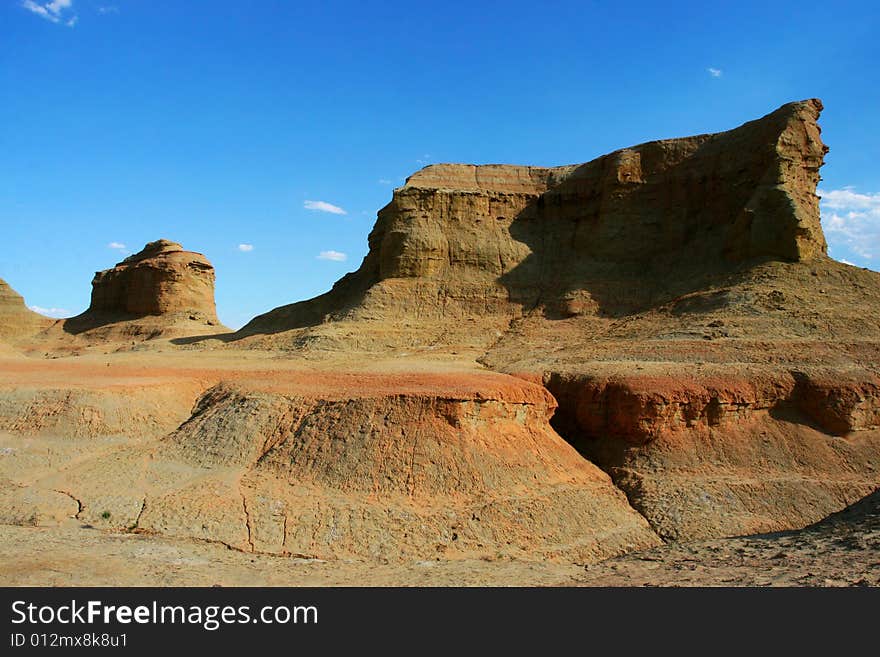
(55, 11)
(848, 198)
(118, 246)
(424, 159)
(384, 181)
(51, 312)
(335, 256)
(108, 9)
(852, 220)
(246, 248)
(323, 206)
(715, 72)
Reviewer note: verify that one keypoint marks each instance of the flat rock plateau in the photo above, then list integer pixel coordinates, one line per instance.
(641, 370)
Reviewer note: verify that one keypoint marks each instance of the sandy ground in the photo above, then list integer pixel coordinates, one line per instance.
(88, 557)
(843, 550)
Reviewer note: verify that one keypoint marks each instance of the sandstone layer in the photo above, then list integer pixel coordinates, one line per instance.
(703, 455)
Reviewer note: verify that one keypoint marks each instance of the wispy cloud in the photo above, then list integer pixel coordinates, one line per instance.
(246, 248)
(55, 313)
(323, 206)
(108, 9)
(118, 246)
(384, 181)
(336, 256)
(424, 159)
(715, 72)
(852, 220)
(56, 11)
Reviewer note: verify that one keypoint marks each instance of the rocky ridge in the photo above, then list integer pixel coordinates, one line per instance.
(675, 297)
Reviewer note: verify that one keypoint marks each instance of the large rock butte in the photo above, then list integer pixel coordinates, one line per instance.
(611, 236)
(163, 291)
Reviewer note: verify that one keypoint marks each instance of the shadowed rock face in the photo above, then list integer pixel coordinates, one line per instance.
(162, 279)
(16, 320)
(598, 237)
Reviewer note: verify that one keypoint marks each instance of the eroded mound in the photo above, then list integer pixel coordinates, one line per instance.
(407, 475)
(161, 279)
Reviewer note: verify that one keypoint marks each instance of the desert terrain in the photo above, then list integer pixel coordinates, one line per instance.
(641, 370)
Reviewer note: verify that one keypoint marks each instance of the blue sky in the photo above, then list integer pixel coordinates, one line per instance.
(220, 124)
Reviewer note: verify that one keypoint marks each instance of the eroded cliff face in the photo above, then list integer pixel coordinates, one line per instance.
(556, 237)
(161, 279)
(639, 409)
(603, 237)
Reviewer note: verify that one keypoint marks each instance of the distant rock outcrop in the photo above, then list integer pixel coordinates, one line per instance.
(162, 279)
(16, 319)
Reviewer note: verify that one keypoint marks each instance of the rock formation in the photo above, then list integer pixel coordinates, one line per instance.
(607, 237)
(162, 279)
(676, 298)
(703, 455)
(16, 319)
(161, 292)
